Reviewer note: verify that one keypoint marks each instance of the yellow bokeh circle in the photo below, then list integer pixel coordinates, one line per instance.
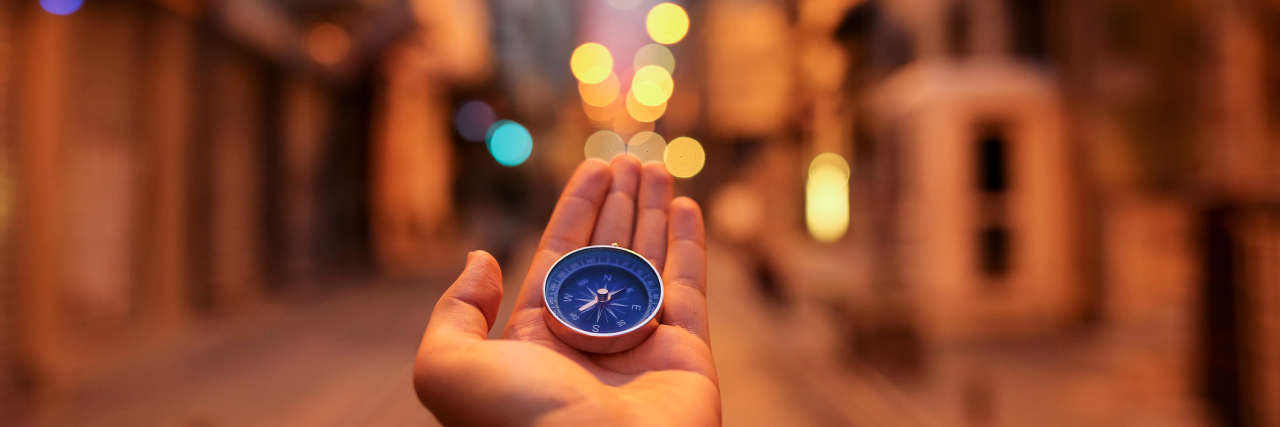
(591, 63)
(667, 23)
(604, 113)
(624, 124)
(827, 179)
(830, 160)
(827, 198)
(641, 112)
(652, 85)
(684, 157)
(649, 94)
(654, 54)
(604, 145)
(600, 94)
(649, 147)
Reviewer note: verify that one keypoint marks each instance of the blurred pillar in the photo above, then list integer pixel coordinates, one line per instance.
(1081, 53)
(169, 133)
(413, 142)
(8, 392)
(1234, 137)
(1260, 245)
(100, 163)
(38, 135)
(1149, 314)
(412, 164)
(747, 53)
(236, 180)
(306, 115)
(1233, 148)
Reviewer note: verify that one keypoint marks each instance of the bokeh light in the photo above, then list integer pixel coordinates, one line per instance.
(652, 85)
(624, 124)
(591, 63)
(649, 147)
(509, 143)
(654, 54)
(641, 112)
(648, 93)
(602, 93)
(328, 43)
(604, 145)
(667, 23)
(684, 157)
(826, 210)
(473, 120)
(830, 160)
(61, 7)
(603, 114)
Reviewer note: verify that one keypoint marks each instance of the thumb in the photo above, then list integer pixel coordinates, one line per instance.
(468, 308)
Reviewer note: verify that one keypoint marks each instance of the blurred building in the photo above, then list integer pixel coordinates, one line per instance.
(168, 162)
(1073, 171)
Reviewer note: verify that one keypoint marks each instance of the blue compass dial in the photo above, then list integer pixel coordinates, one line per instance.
(603, 290)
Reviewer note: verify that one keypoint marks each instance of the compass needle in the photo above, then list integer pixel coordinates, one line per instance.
(611, 294)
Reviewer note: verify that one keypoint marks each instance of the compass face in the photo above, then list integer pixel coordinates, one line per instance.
(603, 290)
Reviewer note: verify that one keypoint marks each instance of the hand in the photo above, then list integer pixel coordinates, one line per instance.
(530, 377)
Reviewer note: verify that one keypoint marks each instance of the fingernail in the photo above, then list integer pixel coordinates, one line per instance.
(470, 255)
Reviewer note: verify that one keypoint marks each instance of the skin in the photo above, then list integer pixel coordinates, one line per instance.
(530, 377)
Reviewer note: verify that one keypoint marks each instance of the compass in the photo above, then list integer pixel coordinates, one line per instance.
(602, 299)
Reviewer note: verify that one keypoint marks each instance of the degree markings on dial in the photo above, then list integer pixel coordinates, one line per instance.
(620, 297)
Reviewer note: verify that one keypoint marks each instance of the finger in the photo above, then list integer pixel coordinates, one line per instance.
(468, 308)
(685, 276)
(651, 216)
(619, 209)
(569, 228)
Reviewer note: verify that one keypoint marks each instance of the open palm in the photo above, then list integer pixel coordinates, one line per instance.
(530, 376)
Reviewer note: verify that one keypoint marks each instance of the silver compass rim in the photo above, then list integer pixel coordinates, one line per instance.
(546, 304)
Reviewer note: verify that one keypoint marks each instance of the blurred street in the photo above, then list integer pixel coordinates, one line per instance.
(970, 213)
(344, 359)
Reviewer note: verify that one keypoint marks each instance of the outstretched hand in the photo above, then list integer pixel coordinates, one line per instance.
(530, 376)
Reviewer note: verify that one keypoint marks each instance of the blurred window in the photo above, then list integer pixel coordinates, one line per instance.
(1270, 27)
(1028, 29)
(993, 175)
(958, 29)
(1121, 29)
(878, 45)
(992, 170)
(994, 250)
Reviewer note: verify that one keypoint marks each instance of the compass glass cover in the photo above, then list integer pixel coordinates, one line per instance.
(603, 290)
